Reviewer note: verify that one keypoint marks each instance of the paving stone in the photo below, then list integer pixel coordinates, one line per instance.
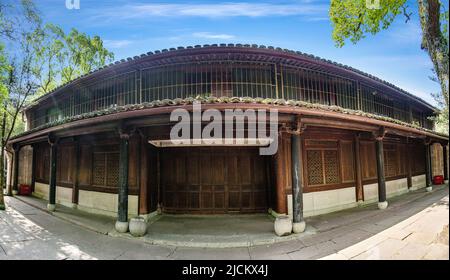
(425, 238)
(210, 254)
(437, 252)
(34, 234)
(412, 251)
(383, 250)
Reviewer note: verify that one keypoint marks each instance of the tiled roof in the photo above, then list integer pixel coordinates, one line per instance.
(218, 100)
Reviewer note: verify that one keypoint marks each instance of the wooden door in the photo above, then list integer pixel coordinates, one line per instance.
(213, 180)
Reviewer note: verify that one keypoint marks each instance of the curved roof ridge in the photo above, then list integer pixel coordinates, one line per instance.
(230, 45)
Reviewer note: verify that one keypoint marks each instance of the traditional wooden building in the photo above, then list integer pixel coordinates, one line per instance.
(345, 137)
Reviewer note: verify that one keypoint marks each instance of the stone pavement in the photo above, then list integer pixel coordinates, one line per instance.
(421, 236)
(413, 219)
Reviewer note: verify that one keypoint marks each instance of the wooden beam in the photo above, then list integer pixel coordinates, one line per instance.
(143, 181)
(445, 158)
(382, 203)
(297, 184)
(358, 171)
(15, 187)
(52, 179)
(75, 186)
(409, 161)
(222, 106)
(428, 166)
(122, 211)
(280, 180)
(326, 122)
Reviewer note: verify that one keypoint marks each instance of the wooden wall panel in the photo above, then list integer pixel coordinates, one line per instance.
(42, 166)
(65, 166)
(368, 160)
(347, 161)
(85, 165)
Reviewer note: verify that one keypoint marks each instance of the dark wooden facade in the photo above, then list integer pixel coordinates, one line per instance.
(337, 143)
(225, 180)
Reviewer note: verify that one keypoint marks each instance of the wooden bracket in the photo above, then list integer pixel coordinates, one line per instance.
(379, 135)
(52, 139)
(125, 132)
(296, 128)
(428, 141)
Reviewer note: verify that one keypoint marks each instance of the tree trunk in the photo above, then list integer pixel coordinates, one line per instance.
(434, 41)
(2, 162)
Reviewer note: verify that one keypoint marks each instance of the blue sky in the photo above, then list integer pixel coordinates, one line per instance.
(130, 28)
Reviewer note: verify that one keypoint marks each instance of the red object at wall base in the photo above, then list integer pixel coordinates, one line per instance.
(438, 180)
(24, 190)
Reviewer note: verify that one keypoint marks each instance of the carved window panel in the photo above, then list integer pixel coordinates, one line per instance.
(315, 167)
(331, 163)
(105, 171)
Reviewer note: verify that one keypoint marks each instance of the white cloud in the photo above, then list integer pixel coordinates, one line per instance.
(216, 10)
(209, 35)
(117, 44)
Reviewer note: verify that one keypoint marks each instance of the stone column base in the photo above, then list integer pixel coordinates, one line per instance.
(51, 207)
(121, 227)
(429, 189)
(382, 205)
(298, 227)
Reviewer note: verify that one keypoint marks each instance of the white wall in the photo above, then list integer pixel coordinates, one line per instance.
(418, 182)
(393, 188)
(105, 203)
(89, 201)
(317, 203)
(25, 165)
(322, 202)
(41, 190)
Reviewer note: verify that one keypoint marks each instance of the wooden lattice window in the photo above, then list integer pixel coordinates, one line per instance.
(331, 162)
(322, 162)
(105, 171)
(315, 167)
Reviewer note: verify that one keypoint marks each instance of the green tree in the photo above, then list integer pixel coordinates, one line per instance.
(3, 96)
(81, 54)
(17, 23)
(352, 19)
(61, 57)
(37, 58)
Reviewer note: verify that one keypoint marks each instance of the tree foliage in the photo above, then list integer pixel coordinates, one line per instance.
(352, 19)
(34, 59)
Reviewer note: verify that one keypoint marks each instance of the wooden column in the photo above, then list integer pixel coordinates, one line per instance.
(445, 158)
(297, 184)
(52, 179)
(428, 166)
(15, 186)
(75, 190)
(143, 181)
(358, 171)
(379, 153)
(408, 165)
(122, 211)
(279, 166)
(33, 167)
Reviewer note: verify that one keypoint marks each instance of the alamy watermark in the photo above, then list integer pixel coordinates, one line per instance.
(235, 127)
(73, 4)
